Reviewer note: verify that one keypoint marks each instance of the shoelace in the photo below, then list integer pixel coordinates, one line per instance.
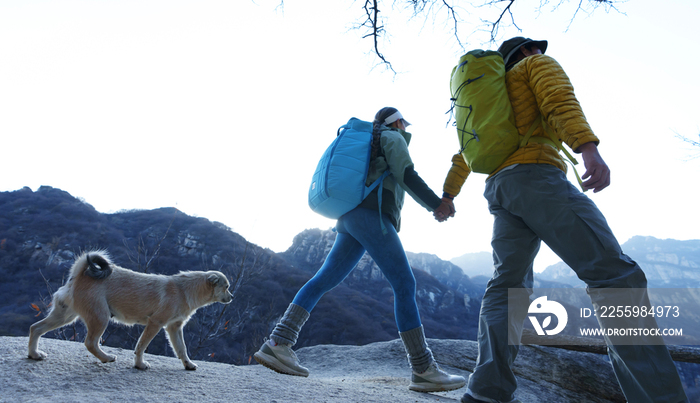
(294, 355)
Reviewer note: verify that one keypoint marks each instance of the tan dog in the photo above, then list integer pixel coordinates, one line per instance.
(98, 290)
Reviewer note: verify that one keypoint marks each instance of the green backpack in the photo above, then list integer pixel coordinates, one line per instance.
(484, 116)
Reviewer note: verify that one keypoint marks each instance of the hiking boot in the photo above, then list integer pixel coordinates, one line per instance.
(280, 358)
(467, 398)
(435, 380)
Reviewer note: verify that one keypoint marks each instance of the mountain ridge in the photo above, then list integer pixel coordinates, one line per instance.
(42, 232)
(667, 263)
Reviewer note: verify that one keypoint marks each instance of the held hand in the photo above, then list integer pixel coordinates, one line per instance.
(451, 204)
(445, 210)
(597, 175)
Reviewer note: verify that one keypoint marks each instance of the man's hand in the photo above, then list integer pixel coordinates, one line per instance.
(445, 210)
(597, 175)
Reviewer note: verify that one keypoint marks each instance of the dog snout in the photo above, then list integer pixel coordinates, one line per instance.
(227, 298)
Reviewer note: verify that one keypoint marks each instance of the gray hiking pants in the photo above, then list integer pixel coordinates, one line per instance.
(533, 203)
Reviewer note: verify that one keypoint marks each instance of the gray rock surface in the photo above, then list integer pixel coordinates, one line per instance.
(376, 372)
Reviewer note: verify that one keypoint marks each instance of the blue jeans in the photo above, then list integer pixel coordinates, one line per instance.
(358, 231)
(532, 203)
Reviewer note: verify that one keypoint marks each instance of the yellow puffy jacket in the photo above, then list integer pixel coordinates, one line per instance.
(536, 85)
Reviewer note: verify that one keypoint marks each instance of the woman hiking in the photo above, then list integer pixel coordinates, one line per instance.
(360, 231)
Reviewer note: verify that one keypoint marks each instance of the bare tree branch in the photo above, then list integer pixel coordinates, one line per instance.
(692, 142)
(582, 7)
(141, 249)
(453, 14)
(496, 24)
(375, 21)
(216, 321)
(371, 8)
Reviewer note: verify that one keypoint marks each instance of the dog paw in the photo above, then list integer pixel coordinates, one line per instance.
(190, 366)
(109, 358)
(37, 355)
(143, 365)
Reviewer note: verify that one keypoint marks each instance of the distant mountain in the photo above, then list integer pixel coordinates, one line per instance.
(667, 263)
(447, 272)
(560, 273)
(475, 264)
(42, 232)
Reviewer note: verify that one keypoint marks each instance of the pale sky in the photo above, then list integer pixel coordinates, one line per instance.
(222, 108)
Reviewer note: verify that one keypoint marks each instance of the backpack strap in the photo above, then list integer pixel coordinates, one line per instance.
(531, 130)
(379, 182)
(553, 141)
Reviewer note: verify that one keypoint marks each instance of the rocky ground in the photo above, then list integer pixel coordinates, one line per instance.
(373, 373)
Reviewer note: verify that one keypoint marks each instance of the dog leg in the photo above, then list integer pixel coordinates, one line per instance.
(96, 327)
(177, 342)
(149, 332)
(60, 315)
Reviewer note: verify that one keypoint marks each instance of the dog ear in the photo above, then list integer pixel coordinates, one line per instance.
(213, 279)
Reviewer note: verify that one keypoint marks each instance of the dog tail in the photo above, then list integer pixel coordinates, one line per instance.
(98, 267)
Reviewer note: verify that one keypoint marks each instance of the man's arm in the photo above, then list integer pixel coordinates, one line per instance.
(454, 181)
(457, 175)
(557, 102)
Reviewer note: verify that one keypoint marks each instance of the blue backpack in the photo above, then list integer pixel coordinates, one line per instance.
(338, 184)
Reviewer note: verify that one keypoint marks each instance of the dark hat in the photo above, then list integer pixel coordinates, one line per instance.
(512, 45)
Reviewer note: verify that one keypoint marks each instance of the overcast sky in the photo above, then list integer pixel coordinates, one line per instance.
(222, 108)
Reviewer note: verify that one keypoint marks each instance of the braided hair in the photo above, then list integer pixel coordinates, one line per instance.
(379, 119)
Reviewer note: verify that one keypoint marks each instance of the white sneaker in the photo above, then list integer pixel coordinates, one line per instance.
(280, 358)
(435, 380)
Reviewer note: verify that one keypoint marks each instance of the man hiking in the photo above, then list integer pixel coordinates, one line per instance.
(532, 201)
